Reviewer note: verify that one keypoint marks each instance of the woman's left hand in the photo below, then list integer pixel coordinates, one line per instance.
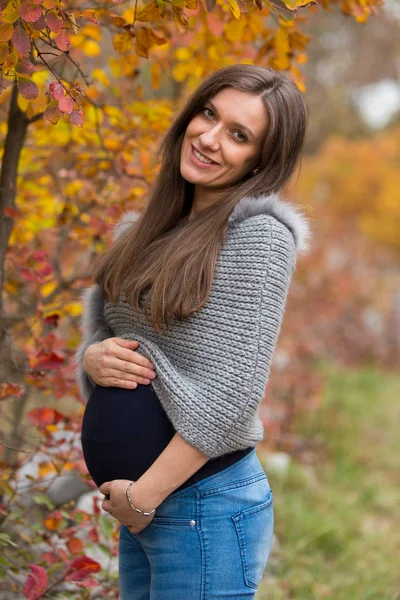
(119, 508)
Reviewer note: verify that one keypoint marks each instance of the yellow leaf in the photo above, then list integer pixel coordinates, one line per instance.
(73, 308)
(281, 42)
(123, 42)
(91, 48)
(156, 75)
(150, 13)
(100, 76)
(111, 143)
(46, 468)
(234, 30)
(183, 54)
(235, 8)
(10, 13)
(301, 58)
(180, 71)
(92, 31)
(142, 42)
(47, 288)
(115, 66)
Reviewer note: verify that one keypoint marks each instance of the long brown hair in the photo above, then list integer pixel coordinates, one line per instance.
(172, 257)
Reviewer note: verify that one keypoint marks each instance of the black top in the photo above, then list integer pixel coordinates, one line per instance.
(124, 431)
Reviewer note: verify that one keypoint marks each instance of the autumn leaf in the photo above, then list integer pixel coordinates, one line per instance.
(234, 8)
(6, 31)
(123, 42)
(76, 118)
(81, 567)
(25, 67)
(45, 416)
(142, 42)
(75, 545)
(21, 40)
(90, 15)
(54, 21)
(66, 105)
(72, 22)
(36, 583)
(27, 88)
(10, 13)
(46, 468)
(10, 60)
(150, 13)
(10, 390)
(56, 90)
(62, 41)
(29, 12)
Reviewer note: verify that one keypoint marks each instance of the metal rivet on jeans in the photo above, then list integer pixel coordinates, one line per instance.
(192, 523)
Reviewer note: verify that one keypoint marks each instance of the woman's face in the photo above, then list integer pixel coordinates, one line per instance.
(229, 131)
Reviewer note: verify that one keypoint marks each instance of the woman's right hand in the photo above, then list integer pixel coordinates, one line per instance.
(113, 362)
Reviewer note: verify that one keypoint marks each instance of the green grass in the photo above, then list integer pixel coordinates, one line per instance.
(337, 511)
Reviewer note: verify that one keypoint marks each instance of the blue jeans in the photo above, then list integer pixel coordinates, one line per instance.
(210, 540)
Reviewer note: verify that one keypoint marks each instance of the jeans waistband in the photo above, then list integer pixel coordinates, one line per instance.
(232, 471)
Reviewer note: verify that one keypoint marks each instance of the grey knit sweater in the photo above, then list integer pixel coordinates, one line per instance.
(212, 368)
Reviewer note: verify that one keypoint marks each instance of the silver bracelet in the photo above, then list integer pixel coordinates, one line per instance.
(146, 514)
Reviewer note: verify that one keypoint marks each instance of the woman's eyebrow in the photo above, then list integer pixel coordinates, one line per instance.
(235, 123)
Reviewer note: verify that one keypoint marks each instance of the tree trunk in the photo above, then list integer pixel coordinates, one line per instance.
(16, 133)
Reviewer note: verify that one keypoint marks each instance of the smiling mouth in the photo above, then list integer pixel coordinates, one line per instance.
(201, 158)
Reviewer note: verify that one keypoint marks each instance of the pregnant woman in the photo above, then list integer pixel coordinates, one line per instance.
(180, 329)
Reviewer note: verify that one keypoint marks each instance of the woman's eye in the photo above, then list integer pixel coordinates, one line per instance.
(209, 109)
(244, 138)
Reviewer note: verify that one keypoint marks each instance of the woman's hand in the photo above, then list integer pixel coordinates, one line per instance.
(119, 508)
(113, 362)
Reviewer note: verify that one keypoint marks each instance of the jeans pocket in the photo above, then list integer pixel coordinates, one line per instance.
(254, 527)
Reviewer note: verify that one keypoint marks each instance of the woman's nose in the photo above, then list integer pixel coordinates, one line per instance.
(210, 138)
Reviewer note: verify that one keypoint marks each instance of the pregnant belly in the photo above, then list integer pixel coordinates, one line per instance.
(123, 432)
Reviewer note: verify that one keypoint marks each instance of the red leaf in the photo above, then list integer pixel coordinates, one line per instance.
(10, 211)
(87, 583)
(66, 105)
(24, 67)
(54, 21)
(57, 90)
(75, 545)
(10, 390)
(45, 416)
(90, 15)
(62, 41)
(27, 88)
(52, 319)
(30, 12)
(39, 24)
(81, 567)
(36, 583)
(76, 118)
(93, 535)
(21, 40)
(52, 113)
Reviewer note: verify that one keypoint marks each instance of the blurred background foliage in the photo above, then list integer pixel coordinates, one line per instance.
(83, 109)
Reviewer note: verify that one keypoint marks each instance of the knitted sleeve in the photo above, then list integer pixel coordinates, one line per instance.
(215, 406)
(95, 329)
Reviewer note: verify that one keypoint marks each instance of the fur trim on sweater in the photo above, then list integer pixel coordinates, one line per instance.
(250, 206)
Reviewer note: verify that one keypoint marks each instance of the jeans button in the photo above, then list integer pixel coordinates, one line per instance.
(193, 523)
